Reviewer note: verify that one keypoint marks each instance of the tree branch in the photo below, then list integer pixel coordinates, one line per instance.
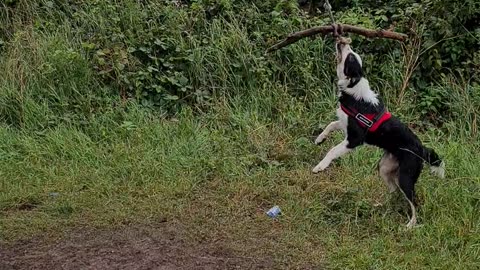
(324, 30)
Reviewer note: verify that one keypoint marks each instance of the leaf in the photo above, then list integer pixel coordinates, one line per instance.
(183, 80)
(173, 81)
(158, 88)
(171, 97)
(150, 69)
(100, 53)
(275, 13)
(160, 43)
(145, 49)
(101, 61)
(85, 45)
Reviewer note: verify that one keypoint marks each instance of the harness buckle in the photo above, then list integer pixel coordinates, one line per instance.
(364, 120)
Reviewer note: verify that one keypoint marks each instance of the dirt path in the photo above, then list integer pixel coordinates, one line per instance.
(163, 247)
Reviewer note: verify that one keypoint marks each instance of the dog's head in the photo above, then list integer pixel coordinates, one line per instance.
(349, 64)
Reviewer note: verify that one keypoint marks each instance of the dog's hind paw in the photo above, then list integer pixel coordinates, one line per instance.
(412, 223)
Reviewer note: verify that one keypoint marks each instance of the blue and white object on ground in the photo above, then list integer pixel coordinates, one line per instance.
(274, 212)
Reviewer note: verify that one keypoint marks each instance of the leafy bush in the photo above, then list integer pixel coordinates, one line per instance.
(169, 53)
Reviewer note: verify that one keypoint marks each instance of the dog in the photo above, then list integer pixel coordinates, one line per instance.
(363, 118)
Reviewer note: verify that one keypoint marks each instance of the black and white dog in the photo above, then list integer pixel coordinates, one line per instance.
(363, 118)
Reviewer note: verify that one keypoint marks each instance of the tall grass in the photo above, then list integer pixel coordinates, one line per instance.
(218, 164)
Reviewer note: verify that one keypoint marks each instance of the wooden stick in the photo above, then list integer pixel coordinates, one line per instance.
(323, 30)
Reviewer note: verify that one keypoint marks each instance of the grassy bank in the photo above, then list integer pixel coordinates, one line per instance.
(218, 173)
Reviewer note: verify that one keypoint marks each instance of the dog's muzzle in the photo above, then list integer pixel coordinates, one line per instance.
(341, 43)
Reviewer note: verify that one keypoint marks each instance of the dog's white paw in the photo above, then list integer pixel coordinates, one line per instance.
(410, 226)
(320, 139)
(412, 223)
(320, 167)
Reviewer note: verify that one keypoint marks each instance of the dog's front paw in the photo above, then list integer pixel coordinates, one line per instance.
(320, 139)
(316, 137)
(320, 167)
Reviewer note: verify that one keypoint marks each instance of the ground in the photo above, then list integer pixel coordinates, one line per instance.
(165, 246)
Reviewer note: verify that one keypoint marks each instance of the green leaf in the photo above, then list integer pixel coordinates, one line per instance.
(171, 97)
(183, 80)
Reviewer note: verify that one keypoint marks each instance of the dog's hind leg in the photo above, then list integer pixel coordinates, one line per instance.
(409, 171)
(335, 125)
(388, 170)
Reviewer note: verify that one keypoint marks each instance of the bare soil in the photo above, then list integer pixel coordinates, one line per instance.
(165, 246)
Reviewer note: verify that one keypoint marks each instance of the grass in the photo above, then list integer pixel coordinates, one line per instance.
(73, 154)
(219, 172)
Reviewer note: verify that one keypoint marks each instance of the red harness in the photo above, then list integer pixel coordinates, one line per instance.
(369, 121)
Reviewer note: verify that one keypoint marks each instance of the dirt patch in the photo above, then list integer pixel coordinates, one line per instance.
(162, 247)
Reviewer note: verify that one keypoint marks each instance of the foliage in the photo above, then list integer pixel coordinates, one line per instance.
(167, 54)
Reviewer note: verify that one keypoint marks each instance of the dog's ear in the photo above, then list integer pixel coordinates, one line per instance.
(352, 67)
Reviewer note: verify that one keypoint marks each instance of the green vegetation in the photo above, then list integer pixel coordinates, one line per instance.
(137, 111)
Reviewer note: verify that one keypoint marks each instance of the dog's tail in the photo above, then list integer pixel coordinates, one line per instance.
(432, 158)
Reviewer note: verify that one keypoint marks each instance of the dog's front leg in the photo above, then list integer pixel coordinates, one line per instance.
(335, 125)
(336, 152)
